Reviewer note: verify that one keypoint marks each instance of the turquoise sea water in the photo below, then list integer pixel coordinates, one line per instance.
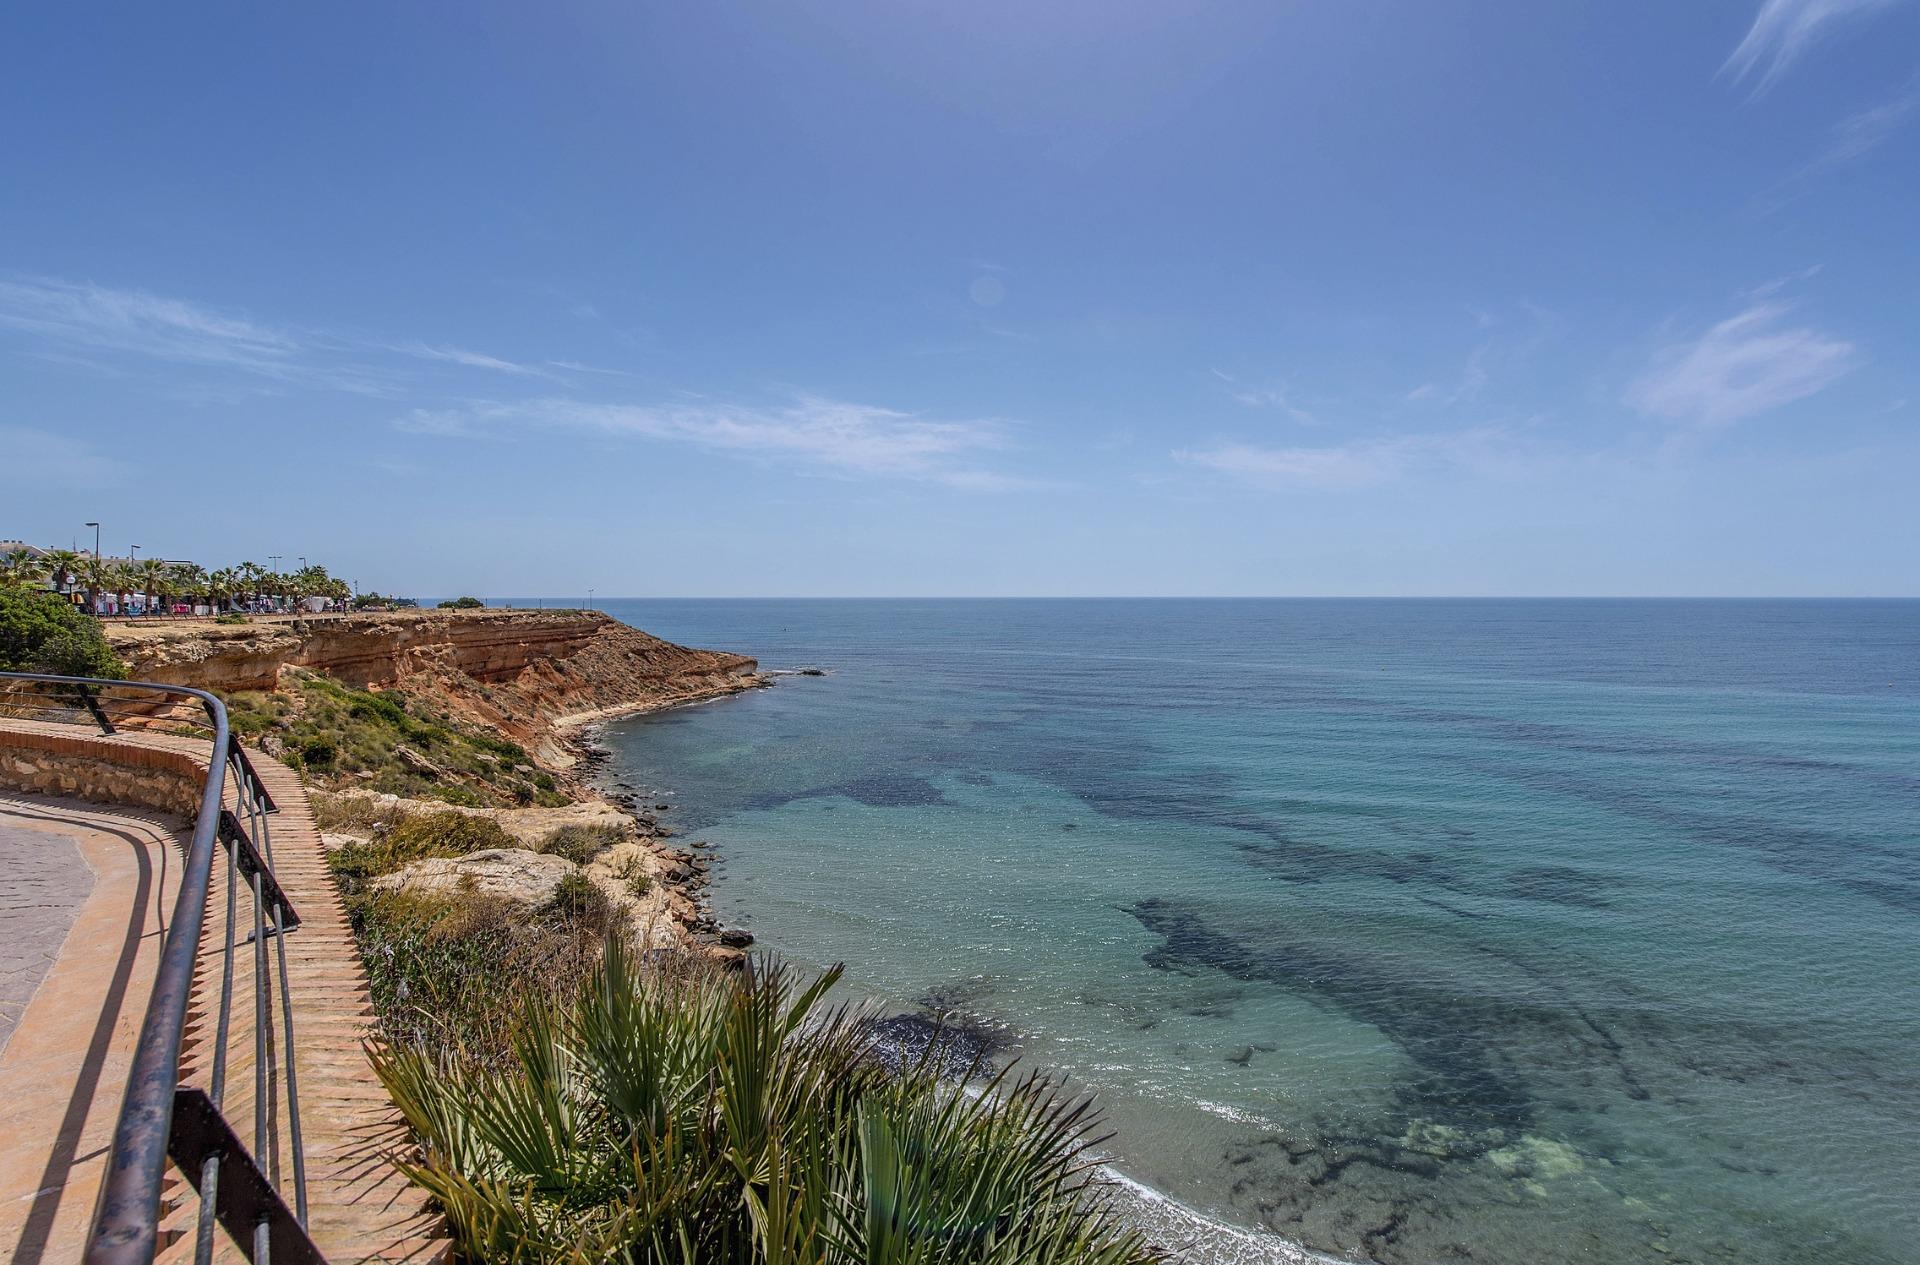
(1487, 931)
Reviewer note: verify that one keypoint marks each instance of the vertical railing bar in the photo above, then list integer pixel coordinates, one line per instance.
(126, 1223)
(260, 1024)
(217, 1089)
(293, 1080)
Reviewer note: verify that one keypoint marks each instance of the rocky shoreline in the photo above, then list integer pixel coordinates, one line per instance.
(546, 681)
(661, 885)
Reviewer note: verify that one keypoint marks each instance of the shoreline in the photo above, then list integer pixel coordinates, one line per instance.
(906, 1026)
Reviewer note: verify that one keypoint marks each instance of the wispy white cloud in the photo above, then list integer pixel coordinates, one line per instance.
(814, 433)
(91, 316)
(1275, 398)
(1357, 464)
(1472, 379)
(1859, 134)
(1748, 364)
(61, 318)
(1782, 31)
(470, 359)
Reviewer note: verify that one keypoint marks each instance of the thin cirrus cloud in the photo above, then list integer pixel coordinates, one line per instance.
(98, 318)
(1859, 134)
(1355, 465)
(61, 317)
(1782, 32)
(820, 435)
(473, 359)
(1750, 363)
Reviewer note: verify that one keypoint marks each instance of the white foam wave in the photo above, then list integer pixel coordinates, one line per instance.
(1196, 1237)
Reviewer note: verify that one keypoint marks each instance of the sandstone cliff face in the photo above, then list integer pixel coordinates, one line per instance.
(521, 672)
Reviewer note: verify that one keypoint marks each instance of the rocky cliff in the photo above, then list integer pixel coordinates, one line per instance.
(524, 673)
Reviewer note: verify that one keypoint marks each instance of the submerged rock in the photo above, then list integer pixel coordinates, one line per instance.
(959, 1045)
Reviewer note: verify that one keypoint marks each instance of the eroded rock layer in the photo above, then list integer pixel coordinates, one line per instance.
(518, 671)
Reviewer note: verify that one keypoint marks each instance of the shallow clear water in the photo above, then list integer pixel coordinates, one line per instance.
(1419, 931)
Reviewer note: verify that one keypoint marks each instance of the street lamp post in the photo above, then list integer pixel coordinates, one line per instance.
(93, 594)
(133, 552)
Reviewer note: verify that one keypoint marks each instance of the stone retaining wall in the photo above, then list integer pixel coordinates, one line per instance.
(103, 770)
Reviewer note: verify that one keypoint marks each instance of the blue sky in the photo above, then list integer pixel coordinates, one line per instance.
(998, 298)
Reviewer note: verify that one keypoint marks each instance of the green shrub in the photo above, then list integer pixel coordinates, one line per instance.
(677, 1114)
(455, 973)
(357, 814)
(44, 632)
(451, 834)
(576, 898)
(462, 604)
(367, 730)
(231, 617)
(580, 844)
(317, 753)
(444, 834)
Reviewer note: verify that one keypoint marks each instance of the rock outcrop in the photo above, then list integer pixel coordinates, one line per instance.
(515, 873)
(523, 673)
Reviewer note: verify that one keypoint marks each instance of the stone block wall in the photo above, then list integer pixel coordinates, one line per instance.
(79, 765)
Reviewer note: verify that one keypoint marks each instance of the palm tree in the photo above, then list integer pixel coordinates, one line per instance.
(189, 580)
(99, 575)
(154, 578)
(673, 1115)
(63, 567)
(23, 569)
(222, 585)
(252, 578)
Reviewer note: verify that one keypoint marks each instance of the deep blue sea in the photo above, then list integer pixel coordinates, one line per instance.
(1412, 931)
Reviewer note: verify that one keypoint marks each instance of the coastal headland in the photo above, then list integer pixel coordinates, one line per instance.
(484, 713)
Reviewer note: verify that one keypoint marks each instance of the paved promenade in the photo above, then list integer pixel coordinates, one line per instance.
(87, 887)
(46, 883)
(80, 921)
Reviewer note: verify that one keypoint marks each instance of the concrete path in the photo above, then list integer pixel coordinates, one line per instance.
(46, 883)
(81, 920)
(64, 1066)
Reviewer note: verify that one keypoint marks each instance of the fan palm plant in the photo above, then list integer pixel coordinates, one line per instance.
(99, 576)
(189, 580)
(673, 1115)
(23, 569)
(222, 585)
(153, 577)
(63, 567)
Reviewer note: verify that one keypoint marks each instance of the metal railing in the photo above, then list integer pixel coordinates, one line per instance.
(161, 1119)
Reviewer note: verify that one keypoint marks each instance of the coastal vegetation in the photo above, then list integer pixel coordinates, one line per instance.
(452, 972)
(388, 740)
(462, 604)
(668, 1111)
(42, 632)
